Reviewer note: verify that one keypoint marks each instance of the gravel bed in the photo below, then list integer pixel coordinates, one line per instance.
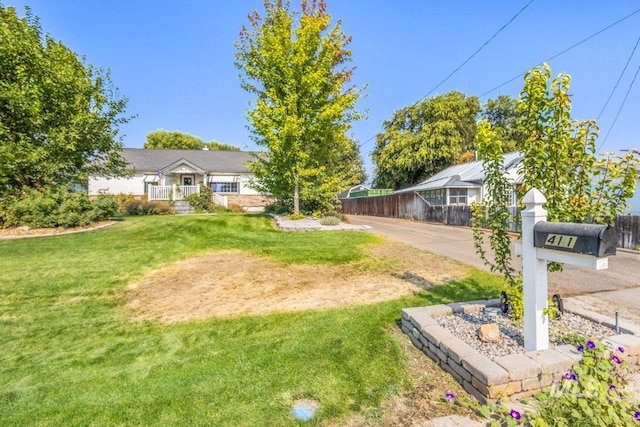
(465, 327)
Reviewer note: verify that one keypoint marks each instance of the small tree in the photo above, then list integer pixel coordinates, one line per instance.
(559, 160)
(295, 66)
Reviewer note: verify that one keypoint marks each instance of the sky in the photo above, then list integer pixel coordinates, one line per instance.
(174, 61)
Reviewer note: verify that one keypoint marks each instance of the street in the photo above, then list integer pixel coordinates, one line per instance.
(617, 288)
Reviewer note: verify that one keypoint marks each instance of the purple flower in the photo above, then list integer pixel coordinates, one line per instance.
(616, 359)
(450, 396)
(621, 349)
(612, 387)
(580, 348)
(567, 376)
(515, 414)
(591, 345)
(637, 415)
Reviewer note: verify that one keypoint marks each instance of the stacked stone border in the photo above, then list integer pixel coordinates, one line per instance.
(513, 375)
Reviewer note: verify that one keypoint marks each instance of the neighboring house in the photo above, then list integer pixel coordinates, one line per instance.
(173, 174)
(462, 185)
(363, 191)
(348, 193)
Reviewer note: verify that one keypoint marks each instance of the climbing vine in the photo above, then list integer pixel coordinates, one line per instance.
(559, 159)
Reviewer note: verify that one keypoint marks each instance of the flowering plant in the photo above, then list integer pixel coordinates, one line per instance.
(591, 394)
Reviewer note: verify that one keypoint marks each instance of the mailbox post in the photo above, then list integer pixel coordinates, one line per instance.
(534, 275)
(586, 245)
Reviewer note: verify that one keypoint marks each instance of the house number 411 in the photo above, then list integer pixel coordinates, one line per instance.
(560, 241)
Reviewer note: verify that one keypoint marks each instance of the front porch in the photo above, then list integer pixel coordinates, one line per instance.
(172, 192)
(179, 192)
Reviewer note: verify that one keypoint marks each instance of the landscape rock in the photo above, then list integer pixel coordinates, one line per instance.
(489, 333)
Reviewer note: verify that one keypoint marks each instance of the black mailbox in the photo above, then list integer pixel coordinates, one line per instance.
(589, 239)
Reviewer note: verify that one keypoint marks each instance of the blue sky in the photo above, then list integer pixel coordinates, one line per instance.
(174, 60)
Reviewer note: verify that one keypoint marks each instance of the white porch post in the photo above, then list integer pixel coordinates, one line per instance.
(534, 275)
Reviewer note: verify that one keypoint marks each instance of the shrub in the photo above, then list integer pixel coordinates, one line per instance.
(277, 208)
(295, 217)
(55, 207)
(202, 201)
(330, 220)
(235, 207)
(141, 207)
(104, 207)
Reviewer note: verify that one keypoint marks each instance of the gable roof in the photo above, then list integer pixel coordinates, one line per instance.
(212, 161)
(464, 175)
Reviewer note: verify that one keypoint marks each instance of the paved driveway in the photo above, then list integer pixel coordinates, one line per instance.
(622, 276)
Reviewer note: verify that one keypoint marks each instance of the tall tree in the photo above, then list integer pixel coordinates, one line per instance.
(162, 139)
(503, 115)
(58, 116)
(424, 138)
(296, 66)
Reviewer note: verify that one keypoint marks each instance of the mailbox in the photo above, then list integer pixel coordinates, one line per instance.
(589, 239)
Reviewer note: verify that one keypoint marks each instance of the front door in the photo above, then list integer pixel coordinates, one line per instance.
(187, 180)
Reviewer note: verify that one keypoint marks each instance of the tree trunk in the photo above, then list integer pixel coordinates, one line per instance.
(296, 198)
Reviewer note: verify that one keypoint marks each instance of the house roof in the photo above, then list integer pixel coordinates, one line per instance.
(212, 161)
(464, 175)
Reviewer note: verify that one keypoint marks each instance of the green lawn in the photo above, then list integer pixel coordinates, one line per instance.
(70, 354)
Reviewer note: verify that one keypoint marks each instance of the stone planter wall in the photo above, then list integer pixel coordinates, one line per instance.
(514, 375)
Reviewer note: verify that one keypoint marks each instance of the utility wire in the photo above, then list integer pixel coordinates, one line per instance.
(465, 61)
(619, 110)
(477, 51)
(564, 51)
(619, 78)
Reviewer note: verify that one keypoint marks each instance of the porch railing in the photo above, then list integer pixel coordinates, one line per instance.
(177, 192)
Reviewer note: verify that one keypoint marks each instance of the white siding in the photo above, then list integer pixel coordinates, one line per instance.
(473, 196)
(133, 185)
(244, 185)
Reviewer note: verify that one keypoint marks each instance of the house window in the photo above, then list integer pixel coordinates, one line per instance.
(457, 196)
(224, 187)
(434, 197)
(147, 185)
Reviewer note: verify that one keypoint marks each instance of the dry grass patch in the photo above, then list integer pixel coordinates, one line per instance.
(230, 283)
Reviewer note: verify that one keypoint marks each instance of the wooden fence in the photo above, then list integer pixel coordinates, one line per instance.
(628, 229)
(411, 205)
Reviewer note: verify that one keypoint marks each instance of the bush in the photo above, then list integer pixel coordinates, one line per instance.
(330, 220)
(277, 208)
(297, 216)
(104, 207)
(142, 207)
(55, 207)
(202, 201)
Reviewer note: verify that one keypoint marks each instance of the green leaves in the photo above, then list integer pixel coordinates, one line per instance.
(303, 111)
(424, 138)
(58, 116)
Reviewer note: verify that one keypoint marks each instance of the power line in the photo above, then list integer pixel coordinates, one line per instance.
(478, 50)
(620, 109)
(465, 61)
(619, 78)
(564, 51)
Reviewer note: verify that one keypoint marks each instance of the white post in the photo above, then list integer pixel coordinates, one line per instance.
(534, 275)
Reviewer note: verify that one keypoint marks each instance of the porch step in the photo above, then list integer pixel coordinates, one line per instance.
(182, 207)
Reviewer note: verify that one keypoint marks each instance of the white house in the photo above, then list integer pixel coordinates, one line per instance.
(464, 184)
(173, 174)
